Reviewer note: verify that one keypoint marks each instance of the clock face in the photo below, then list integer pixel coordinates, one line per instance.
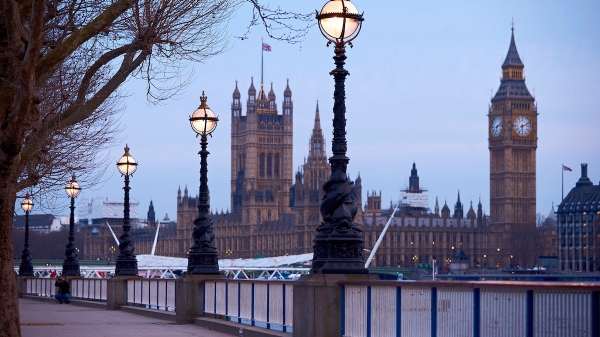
(496, 126)
(522, 126)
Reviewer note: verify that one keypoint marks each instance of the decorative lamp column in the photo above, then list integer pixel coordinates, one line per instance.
(126, 261)
(71, 263)
(203, 257)
(26, 268)
(338, 245)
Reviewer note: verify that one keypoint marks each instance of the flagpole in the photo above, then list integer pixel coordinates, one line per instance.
(262, 56)
(563, 182)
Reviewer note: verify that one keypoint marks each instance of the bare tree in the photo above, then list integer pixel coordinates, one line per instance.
(73, 150)
(61, 64)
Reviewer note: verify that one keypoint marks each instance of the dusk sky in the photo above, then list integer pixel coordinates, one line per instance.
(419, 90)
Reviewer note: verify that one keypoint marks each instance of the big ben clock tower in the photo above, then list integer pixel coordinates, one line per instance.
(512, 143)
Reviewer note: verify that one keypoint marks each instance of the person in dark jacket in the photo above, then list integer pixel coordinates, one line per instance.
(63, 294)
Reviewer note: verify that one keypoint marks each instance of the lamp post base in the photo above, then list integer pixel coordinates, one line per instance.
(126, 267)
(71, 268)
(26, 270)
(203, 263)
(339, 254)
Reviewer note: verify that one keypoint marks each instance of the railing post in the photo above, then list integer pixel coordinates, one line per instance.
(283, 301)
(433, 312)
(529, 314)
(215, 301)
(476, 312)
(343, 310)
(398, 311)
(227, 301)
(268, 307)
(596, 313)
(252, 320)
(368, 311)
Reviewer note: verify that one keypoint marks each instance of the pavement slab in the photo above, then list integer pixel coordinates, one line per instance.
(41, 318)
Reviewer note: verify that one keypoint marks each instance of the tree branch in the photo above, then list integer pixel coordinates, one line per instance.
(46, 65)
(102, 61)
(72, 117)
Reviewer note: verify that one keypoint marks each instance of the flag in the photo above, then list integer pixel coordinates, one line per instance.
(266, 47)
(566, 168)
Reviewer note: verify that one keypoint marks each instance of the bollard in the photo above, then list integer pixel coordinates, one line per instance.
(241, 332)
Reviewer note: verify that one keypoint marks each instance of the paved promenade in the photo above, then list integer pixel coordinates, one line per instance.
(41, 318)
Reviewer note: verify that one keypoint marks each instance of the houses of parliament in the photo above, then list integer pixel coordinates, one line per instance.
(275, 212)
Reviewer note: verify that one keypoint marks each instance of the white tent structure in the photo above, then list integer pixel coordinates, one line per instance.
(152, 266)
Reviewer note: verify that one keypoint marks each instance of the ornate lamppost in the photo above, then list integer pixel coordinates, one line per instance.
(26, 268)
(338, 245)
(126, 261)
(71, 263)
(203, 258)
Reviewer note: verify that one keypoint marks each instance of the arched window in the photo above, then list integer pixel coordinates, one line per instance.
(269, 165)
(261, 168)
(276, 165)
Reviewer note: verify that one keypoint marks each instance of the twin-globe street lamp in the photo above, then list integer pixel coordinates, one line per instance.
(26, 268)
(126, 261)
(338, 245)
(71, 263)
(203, 258)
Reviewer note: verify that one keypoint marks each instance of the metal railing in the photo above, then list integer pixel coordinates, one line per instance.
(89, 289)
(256, 302)
(40, 287)
(477, 309)
(152, 293)
(82, 289)
(86, 272)
(171, 272)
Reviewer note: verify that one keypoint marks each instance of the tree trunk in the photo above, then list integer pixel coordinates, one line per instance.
(9, 310)
(9, 305)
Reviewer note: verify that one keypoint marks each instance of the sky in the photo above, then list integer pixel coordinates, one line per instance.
(421, 78)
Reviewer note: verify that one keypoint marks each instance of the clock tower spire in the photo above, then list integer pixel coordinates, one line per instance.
(512, 142)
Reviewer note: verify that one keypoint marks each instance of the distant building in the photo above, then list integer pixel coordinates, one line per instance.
(579, 226)
(94, 211)
(512, 142)
(416, 235)
(65, 220)
(41, 223)
(415, 200)
(151, 216)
